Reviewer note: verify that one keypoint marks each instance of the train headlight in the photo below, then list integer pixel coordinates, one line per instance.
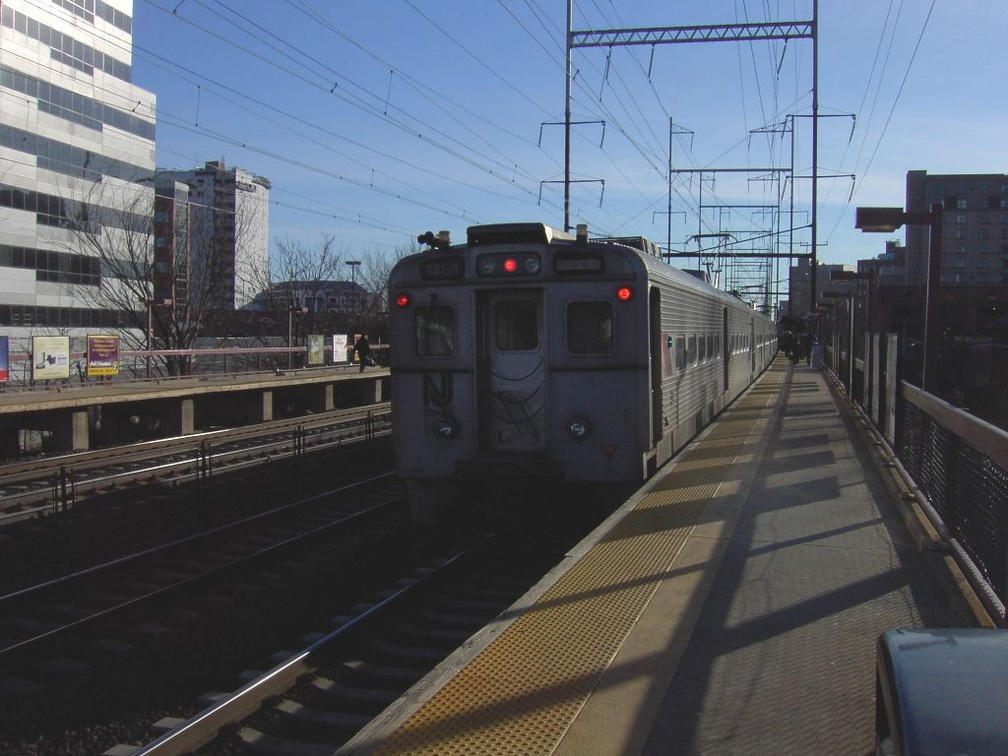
(446, 427)
(505, 265)
(578, 428)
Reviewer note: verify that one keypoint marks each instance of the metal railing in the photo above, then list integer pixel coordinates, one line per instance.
(201, 362)
(958, 463)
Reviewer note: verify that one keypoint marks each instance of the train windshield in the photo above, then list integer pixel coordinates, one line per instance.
(589, 327)
(435, 331)
(517, 327)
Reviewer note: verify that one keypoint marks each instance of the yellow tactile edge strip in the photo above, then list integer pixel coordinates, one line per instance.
(520, 695)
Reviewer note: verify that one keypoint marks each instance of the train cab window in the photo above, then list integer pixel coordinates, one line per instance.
(435, 331)
(517, 325)
(589, 327)
(680, 352)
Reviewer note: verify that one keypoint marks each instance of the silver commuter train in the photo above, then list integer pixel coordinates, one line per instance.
(529, 353)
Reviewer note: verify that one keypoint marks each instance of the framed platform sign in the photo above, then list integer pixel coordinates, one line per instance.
(340, 351)
(102, 355)
(50, 357)
(316, 349)
(4, 359)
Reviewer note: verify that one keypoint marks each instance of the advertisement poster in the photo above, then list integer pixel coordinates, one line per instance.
(50, 357)
(4, 359)
(339, 349)
(316, 349)
(102, 355)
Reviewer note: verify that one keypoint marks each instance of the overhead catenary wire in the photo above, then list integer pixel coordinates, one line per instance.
(656, 166)
(637, 149)
(368, 102)
(270, 113)
(512, 180)
(906, 75)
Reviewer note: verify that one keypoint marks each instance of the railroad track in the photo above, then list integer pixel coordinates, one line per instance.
(49, 485)
(351, 674)
(66, 637)
(320, 697)
(176, 621)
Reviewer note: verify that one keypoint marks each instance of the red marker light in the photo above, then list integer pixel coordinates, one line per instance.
(402, 300)
(624, 293)
(510, 265)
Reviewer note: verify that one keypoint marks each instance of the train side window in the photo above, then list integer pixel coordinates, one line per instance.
(589, 327)
(711, 354)
(680, 352)
(701, 348)
(691, 350)
(435, 330)
(517, 325)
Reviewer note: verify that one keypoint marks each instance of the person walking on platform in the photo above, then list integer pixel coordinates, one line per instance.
(363, 349)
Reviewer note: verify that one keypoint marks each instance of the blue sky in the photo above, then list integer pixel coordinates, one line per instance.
(377, 120)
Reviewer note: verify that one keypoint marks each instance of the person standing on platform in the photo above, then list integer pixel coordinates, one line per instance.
(363, 349)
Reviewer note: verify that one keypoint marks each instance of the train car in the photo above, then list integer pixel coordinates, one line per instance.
(529, 354)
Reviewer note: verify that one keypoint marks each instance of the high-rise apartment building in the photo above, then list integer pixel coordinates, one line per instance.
(973, 283)
(229, 232)
(76, 151)
(975, 220)
(800, 286)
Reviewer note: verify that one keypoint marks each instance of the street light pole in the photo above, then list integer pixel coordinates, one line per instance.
(151, 303)
(292, 310)
(887, 220)
(354, 264)
(150, 328)
(290, 335)
(932, 304)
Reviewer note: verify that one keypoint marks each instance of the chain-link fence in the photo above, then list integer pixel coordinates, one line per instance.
(958, 462)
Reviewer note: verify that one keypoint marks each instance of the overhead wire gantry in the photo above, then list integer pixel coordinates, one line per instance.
(748, 32)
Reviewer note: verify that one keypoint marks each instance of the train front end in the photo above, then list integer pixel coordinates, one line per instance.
(518, 358)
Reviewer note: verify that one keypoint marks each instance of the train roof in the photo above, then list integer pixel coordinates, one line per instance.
(510, 233)
(540, 233)
(649, 252)
(640, 243)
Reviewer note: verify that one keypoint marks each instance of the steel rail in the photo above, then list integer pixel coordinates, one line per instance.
(37, 591)
(205, 726)
(199, 457)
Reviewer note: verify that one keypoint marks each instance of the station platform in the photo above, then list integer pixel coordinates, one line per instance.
(731, 607)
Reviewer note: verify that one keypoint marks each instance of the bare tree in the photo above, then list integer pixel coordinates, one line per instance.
(161, 274)
(376, 268)
(297, 290)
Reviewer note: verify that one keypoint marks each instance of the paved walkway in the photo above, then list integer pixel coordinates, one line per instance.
(731, 607)
(781, 659)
